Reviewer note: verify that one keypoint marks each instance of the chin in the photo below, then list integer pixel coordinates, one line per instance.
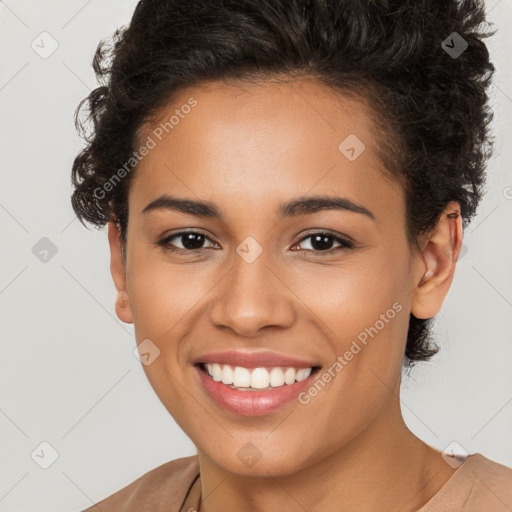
(251, 461)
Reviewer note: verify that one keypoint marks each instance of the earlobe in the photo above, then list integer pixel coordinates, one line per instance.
(437, 261)
(118, 271)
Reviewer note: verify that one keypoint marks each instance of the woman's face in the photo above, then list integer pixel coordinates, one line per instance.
(256, 282)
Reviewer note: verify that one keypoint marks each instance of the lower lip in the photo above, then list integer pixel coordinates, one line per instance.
(253, 403)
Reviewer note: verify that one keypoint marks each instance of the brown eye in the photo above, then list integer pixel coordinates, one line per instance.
(190, 241)
(322, 242)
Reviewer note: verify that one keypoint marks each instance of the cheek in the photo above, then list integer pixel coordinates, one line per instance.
(352, 297)
(165, 299)
(366, 325)
(163, 292)
(364, 309)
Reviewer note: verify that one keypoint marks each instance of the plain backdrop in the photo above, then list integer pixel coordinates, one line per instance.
(69, 378)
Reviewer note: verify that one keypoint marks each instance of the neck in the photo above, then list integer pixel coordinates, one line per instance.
(385, 468)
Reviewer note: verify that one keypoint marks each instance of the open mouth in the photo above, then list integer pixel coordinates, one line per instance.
(256, 379)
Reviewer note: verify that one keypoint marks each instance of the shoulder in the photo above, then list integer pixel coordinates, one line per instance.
(478, 484)
(492, 484)
(162, 488)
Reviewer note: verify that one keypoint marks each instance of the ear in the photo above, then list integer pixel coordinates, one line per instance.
(118, 271)
(436, 263)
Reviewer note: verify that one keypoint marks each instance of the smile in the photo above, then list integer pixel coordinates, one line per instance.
(253, 391)
(238, 377)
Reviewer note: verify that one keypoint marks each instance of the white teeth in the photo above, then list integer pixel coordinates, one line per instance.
(302, 374)
(241, 377)
(289, 376)
(227, 374)
(256, 378)
(260, 378)
(276, 377)
(216, 372)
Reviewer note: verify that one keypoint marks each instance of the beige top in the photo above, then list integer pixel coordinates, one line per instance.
(478, 485)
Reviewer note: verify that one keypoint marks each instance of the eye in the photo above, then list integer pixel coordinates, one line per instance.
(190, 241)
(322, 241)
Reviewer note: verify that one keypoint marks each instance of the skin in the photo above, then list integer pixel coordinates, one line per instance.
(248, 150)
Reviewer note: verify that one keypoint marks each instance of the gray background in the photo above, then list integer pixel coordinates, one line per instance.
(68, 373)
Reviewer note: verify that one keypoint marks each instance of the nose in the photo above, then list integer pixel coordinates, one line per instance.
(252, 296)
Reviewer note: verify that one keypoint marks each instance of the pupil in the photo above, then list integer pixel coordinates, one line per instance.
(192, 240)
(321, 242)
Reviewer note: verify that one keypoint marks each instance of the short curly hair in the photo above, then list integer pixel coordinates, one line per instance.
(421, 65)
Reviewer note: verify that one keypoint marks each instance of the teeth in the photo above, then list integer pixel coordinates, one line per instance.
(227, 374)
(256, 378)
(276, 377)
(302, 374)
(260, 378)
(216, 372)
(289, 375)
(241, 377)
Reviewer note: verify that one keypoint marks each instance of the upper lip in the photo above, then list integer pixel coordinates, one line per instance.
(253, 359)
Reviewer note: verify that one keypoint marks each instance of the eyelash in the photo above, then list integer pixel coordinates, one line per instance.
(345, 244)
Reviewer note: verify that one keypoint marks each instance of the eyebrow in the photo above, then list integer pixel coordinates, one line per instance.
(301, 206)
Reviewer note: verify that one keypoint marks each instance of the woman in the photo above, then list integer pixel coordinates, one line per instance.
(286, 185)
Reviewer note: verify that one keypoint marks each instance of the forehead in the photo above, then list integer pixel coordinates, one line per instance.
(257, 142)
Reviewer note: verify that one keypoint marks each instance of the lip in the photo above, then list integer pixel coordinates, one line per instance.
(254, 359)
(252, 403)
